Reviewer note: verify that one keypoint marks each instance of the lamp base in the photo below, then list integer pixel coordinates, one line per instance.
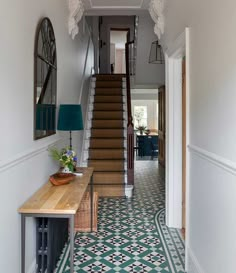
(70, 140)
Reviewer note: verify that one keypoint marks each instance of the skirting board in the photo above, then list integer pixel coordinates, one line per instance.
(193, 264)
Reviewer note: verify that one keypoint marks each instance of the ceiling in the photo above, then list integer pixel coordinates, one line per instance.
(115, 7)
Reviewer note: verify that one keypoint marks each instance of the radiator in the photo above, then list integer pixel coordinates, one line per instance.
(51, 236)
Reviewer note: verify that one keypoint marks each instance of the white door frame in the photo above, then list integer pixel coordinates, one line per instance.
(174, 55)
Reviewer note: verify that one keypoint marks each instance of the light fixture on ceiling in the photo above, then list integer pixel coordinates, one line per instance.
(156, 54)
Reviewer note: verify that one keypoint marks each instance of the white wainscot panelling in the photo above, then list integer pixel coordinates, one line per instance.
(212, 195)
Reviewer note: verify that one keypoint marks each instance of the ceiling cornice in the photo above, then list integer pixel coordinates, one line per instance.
(105, 7)
(76, 11)
(117, 12)
(78, 8)
(156, 10)
(108, 5)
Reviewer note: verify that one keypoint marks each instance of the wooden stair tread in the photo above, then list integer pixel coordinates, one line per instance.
(112, 133)
(108, 84)
(108, 99)
(110, 190)
(108, 178)
(108, 111)
(109, 161)
(111, 173)
(106, 143)
(105, 138)
(108, 95)
(109, 77)
(107, 106)
(115, 110)
(107, 165)
(107, 88)
(115, 103)
(111, 120)
(104, 123)
(108, 91)
(106, 150)
(103, 115)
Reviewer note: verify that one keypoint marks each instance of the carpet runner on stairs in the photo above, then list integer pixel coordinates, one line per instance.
(107, 140)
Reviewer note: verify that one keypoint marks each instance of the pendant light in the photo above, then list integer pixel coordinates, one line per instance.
(156, 54)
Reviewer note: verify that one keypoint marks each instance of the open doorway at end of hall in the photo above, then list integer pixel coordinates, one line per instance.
(145, 113)
(118, 39)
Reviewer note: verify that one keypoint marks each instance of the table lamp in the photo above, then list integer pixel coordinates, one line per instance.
(70, 119)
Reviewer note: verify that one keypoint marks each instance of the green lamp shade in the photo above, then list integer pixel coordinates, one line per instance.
(70, 118)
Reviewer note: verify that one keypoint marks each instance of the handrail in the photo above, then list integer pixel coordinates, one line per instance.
(130, 126)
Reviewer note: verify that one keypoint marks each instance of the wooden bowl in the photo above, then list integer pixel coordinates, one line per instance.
(58, 179)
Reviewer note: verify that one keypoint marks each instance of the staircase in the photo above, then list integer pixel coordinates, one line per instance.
(107, 135)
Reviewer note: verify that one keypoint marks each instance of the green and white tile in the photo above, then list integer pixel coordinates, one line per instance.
(132, 235)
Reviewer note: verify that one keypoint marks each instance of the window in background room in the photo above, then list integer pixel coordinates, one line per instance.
(140, 116)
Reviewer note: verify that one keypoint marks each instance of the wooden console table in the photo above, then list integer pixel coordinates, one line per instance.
(57, 202)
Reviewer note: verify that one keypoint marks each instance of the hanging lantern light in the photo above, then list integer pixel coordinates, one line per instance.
(156, 54)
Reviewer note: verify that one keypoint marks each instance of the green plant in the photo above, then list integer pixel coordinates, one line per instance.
(66, 157)
(141, 128)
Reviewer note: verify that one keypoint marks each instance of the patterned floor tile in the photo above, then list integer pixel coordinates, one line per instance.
(132, 236)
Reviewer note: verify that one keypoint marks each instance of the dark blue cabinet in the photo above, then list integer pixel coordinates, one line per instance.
(146, 144)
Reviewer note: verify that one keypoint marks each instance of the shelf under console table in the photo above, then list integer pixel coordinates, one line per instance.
(57, 202)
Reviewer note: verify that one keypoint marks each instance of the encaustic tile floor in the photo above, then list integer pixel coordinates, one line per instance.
(132, 235)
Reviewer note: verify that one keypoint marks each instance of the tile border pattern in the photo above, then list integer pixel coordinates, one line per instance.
(132, 235)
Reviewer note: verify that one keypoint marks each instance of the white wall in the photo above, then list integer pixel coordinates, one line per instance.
(212, 133)
(24, 163)
(147, 74)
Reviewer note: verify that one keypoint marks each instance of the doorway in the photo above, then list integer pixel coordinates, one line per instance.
(177, 134)
(118, 39)
(144, 107)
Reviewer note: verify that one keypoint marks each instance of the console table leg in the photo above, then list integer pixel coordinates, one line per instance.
(22, 243)
(72, 220)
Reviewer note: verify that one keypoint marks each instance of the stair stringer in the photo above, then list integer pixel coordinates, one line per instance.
(89, 112)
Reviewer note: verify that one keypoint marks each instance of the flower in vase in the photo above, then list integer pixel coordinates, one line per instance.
(66, 157)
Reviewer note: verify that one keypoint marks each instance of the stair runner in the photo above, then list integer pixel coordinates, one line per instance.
(107, 141)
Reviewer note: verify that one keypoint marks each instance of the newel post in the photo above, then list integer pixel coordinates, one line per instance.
(130, 127)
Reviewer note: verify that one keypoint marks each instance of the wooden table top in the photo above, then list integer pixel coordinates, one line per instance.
(64, 199)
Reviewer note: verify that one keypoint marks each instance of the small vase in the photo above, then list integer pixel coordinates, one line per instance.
(74, 165)
(66, 170)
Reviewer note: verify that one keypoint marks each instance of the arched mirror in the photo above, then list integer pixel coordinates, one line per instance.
(45, 80)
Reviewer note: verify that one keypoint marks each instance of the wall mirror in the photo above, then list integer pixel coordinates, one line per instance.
(45, 80)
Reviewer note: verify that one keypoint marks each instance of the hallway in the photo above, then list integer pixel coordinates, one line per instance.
(131, 233)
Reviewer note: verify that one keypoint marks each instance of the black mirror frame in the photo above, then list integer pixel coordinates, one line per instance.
(42, 121)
